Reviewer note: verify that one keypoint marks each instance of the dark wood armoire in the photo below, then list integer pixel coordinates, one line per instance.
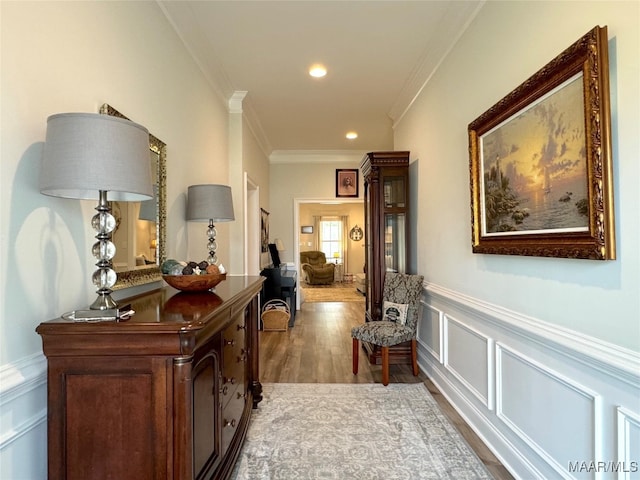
(386, 214)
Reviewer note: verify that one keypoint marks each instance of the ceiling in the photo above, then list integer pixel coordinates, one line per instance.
(379, 54)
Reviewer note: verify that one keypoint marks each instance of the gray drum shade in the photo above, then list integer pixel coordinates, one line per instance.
(149, 208)
(209, 202)
(85, 153)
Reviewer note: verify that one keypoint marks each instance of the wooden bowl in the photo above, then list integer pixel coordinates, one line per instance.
(194, 283)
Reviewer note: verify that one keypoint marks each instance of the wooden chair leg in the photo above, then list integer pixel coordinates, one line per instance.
(414, 357)
(356, 352)
(385, 366)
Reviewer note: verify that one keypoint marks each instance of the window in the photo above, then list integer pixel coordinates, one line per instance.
(331, 239)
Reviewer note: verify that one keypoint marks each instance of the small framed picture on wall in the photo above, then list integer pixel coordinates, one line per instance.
(347, 183)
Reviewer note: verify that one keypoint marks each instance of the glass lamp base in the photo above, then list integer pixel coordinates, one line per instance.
(104, 302)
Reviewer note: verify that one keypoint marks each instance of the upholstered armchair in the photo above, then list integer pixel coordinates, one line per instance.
(401, 296)
(315, 267)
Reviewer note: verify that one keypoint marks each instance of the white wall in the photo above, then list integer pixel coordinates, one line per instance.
(74, 56)
(540, 355)
(497, 53)
(303, 177)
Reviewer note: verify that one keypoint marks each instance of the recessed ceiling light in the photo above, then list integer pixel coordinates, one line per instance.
(317, 70)
(352, 135)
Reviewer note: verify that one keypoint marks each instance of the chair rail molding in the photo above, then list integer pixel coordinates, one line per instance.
(23, 398)
(609, 358)
(545, 399)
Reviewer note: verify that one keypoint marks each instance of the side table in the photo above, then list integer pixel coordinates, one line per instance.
(338, 272)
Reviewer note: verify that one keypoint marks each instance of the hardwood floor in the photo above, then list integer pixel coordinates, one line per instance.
(318, 350)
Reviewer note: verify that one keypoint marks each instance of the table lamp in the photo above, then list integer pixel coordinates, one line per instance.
(149, 208)
(210, 203)
(87, 155)
(336, 257)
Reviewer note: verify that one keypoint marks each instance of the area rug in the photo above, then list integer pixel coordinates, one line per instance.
(353, 431)
(328, 293)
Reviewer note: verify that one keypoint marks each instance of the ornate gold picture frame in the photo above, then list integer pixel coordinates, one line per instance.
(540, 161)
(347, 183)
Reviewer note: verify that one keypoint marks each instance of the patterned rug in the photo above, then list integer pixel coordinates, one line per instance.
(359, 431)
(338, 292)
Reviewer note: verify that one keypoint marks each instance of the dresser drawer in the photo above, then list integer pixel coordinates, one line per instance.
(231, 416)
(234, 360)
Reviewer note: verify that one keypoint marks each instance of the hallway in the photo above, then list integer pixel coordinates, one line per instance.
(318, 350)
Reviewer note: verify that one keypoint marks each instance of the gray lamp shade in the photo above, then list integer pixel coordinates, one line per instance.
(85, 153)
(149, 208)
(209, 202)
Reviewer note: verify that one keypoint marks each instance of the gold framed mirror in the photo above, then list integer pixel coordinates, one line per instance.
(141, 242)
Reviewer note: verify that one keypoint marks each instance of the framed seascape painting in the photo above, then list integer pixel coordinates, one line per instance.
(540, 161)
(347, 183)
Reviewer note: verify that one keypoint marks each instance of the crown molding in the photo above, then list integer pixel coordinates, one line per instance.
(181, 18)
(316, 156)
(458, 20)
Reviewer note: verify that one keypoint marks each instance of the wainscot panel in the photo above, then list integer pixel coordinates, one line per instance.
(537, 419)
(566, 405)
(430, 325)
(629, 439)
(469, 358)
(23, 424)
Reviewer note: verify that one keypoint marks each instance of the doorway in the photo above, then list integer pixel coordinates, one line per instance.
(305, 209)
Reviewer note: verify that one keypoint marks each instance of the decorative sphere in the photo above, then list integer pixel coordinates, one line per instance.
(175, 269)
(104, 250)
(104, 278)
(103, 222)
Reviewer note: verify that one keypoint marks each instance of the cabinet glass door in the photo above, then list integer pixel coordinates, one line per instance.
(394, 192)
(394, 242)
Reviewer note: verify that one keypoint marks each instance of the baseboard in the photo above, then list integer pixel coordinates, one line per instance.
(542, 398)
(500, 446)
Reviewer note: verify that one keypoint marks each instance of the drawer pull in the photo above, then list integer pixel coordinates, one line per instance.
(231, 423)
(241, 395)
(225, 390)
(242, 358)
(230, 342)
(241, 327)
(231, 380)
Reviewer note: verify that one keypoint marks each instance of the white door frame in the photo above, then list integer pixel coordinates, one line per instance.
(251, 226)
(296, 228)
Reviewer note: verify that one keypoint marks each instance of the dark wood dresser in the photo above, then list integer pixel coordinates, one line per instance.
(165, 395)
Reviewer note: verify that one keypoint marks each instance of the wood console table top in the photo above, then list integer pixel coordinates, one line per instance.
(171, 321)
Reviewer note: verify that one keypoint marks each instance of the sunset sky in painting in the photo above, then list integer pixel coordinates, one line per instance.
(548, 134)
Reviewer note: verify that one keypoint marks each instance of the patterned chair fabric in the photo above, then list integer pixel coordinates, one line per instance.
(398, 288)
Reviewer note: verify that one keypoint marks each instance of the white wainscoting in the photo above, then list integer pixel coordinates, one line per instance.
(23, 419)
(549, 402)
(628, 440)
